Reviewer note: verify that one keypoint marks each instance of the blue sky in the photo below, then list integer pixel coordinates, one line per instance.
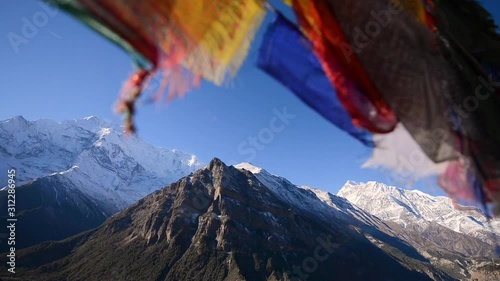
(66, 71)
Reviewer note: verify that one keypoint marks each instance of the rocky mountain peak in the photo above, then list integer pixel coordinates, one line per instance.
(216, 164)
(18, 118)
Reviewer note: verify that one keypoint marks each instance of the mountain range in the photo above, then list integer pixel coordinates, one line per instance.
(220, 222)
(74, 174)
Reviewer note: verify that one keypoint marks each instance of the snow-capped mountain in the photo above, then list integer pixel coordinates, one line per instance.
(308, 199)
(456, 241)
(415, 207)
(384, 202)
(87, 168)
(91, 153)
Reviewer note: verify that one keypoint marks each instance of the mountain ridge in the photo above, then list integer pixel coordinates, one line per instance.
(402, 206)
(85, 167)
(245, 231)
(81, 148)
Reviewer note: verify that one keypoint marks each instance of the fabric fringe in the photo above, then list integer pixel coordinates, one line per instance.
(178, 40)
(210, 39)
(221, 52)
(131, 91)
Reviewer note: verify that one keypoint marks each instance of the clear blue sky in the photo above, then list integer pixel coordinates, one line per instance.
(66, 71)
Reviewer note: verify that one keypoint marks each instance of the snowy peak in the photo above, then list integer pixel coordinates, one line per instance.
(280, 186)
(417, 202)
(264, 176)
(109, 165)
(249, 167)
(16, 120)
(308, 199)
(405, 207)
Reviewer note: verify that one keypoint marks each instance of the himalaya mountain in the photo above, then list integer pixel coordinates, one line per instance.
(453, 237)
(409, 208)
(242, 223)
(72, 175)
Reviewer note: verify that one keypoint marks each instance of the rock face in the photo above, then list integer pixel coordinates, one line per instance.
(228, 223)
(72, 175)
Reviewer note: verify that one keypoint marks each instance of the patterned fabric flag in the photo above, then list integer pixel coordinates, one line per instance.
(432, 62)
(472, 46)
(209, 38)
(184, 40)
(287, 55)
(369, 109)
